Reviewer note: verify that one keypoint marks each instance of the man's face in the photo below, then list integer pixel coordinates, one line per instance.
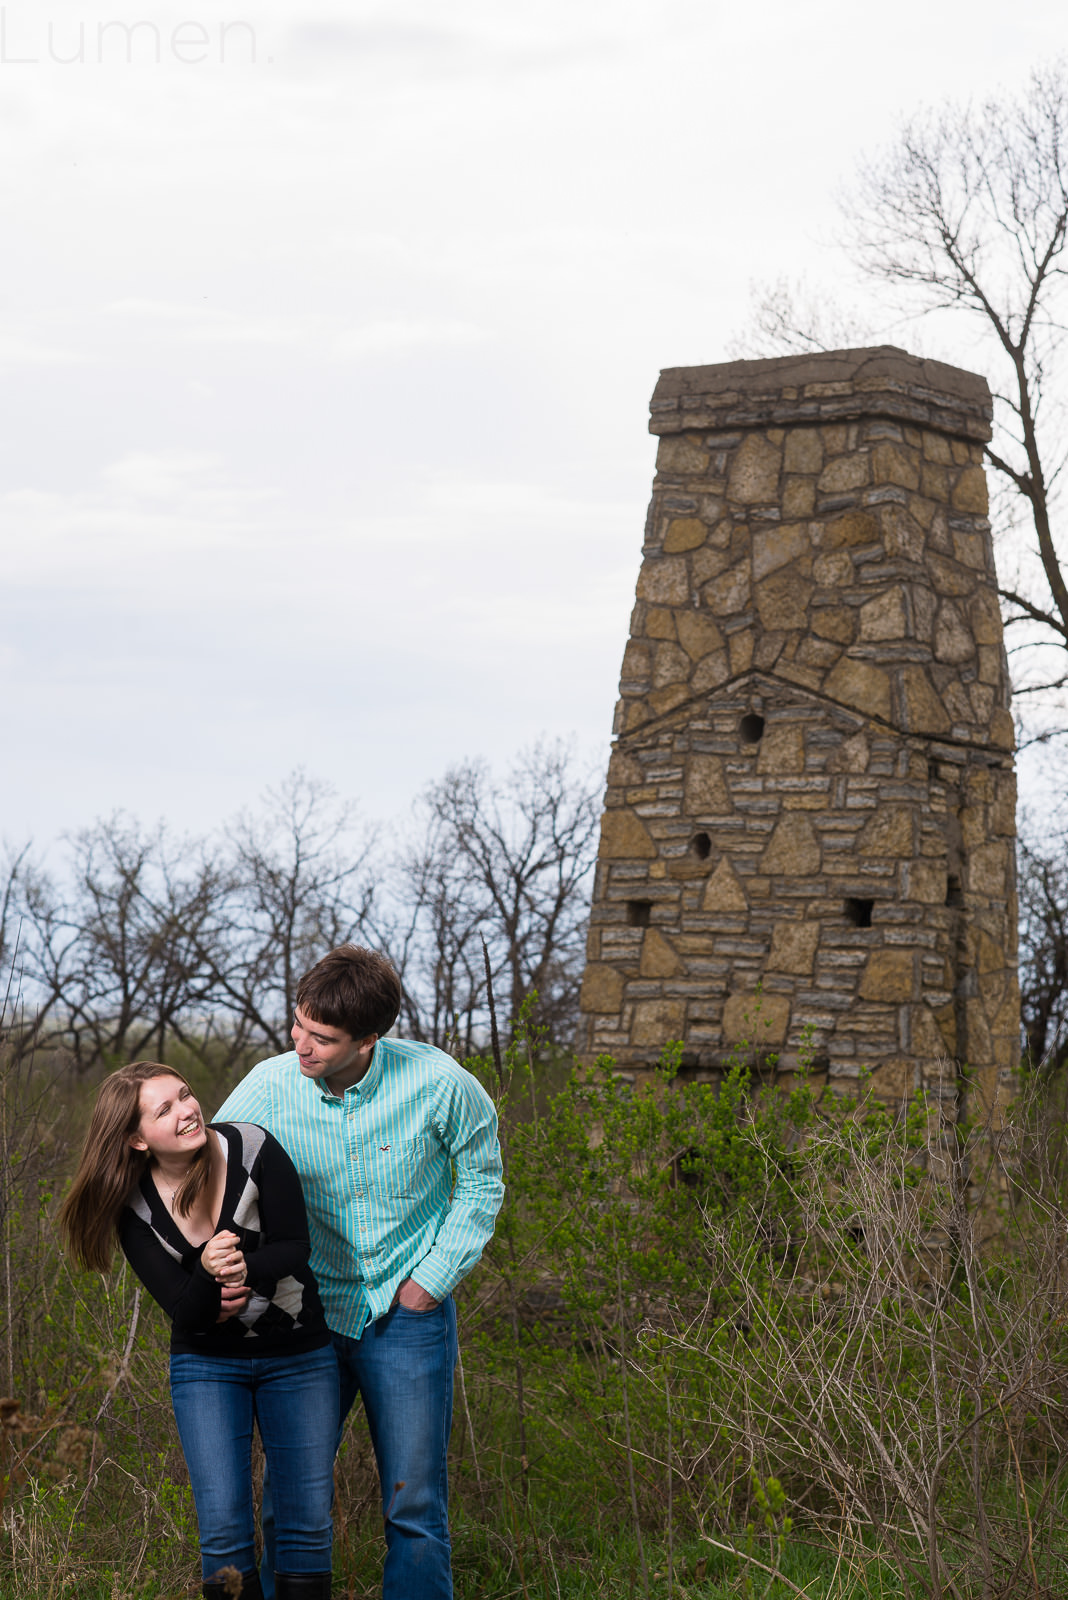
(329, 1053)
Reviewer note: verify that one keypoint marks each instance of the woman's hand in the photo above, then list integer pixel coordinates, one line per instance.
(223, 1259)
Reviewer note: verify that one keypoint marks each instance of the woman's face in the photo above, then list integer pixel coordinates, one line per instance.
(171, 1122)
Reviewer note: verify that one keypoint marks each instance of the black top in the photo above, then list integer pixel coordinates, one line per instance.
(263, 1204)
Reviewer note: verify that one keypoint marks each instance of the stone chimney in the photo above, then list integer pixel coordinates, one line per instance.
(811, 787)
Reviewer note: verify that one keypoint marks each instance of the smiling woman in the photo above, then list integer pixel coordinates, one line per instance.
(185, 1168)
(213, 1223)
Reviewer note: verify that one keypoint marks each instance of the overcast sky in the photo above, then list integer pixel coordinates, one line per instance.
(326, 346)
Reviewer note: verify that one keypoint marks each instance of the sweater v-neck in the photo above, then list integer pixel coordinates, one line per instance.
(160, 1209)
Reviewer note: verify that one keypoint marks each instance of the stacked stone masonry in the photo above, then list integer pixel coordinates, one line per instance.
(811, 787)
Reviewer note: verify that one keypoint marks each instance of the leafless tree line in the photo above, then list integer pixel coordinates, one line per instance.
(137, 939)
(1043, 869)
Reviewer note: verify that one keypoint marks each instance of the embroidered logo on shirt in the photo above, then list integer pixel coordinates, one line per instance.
(383, 1147)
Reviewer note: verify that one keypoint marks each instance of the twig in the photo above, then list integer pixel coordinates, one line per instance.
(470, 1425)
(1023, 1497)
(626, 1428)
(670, 1508)
(124, 1364)
(495, 1043)
(773, 1572)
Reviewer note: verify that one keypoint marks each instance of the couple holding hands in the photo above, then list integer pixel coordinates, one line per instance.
(305, 1246)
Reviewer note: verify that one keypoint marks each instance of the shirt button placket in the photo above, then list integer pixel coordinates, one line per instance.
(354, 1149)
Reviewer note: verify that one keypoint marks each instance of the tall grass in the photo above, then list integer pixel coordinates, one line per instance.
(727, 1340)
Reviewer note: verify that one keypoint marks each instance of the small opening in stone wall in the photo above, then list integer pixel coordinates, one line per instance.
(751, 728)
(859, 912)
(954, 891)
(689, 1167)
(638, 913)
(701, 845)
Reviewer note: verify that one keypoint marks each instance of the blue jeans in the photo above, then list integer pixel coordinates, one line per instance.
(294, 1401)
(403, 1367)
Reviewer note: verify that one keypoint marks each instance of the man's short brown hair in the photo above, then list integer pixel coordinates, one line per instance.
(354, 989)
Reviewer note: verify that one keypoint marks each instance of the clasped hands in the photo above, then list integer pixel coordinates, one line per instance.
(226, 1263)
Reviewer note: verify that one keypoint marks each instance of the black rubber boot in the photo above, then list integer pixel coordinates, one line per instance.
(302, 1586)
(226, 1588)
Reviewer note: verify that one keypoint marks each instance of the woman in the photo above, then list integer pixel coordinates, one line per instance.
(212, 1221)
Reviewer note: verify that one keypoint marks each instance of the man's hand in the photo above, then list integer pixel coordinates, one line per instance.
(234, 1298)
(413, 1297)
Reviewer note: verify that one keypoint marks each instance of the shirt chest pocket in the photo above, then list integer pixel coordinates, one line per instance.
(398, 1168)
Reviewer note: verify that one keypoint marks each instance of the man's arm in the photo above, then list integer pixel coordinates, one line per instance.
(250, 1101)
(466, 1124)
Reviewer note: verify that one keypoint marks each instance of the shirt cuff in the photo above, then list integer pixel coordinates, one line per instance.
(437, 1283)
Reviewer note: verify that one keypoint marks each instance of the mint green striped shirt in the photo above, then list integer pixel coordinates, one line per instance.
(376, 1165)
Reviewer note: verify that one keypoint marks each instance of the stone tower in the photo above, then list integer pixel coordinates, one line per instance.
(811, 786)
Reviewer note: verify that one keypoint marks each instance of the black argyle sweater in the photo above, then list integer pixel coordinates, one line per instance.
(262, 1204)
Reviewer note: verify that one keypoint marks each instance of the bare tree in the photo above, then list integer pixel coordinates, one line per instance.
(508, 861)
(1043, 877)
(791, 317)
(966, 216)
(432, 934)
(13, 875)
(117, 956)
(299, 883)
(970, 213)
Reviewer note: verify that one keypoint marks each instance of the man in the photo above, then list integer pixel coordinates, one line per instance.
(396, 1147)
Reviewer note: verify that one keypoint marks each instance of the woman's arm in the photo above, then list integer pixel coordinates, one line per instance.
(285, 1243)
(191, 1299)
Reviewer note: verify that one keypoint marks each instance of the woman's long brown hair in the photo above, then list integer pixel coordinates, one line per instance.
(110, 1168)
